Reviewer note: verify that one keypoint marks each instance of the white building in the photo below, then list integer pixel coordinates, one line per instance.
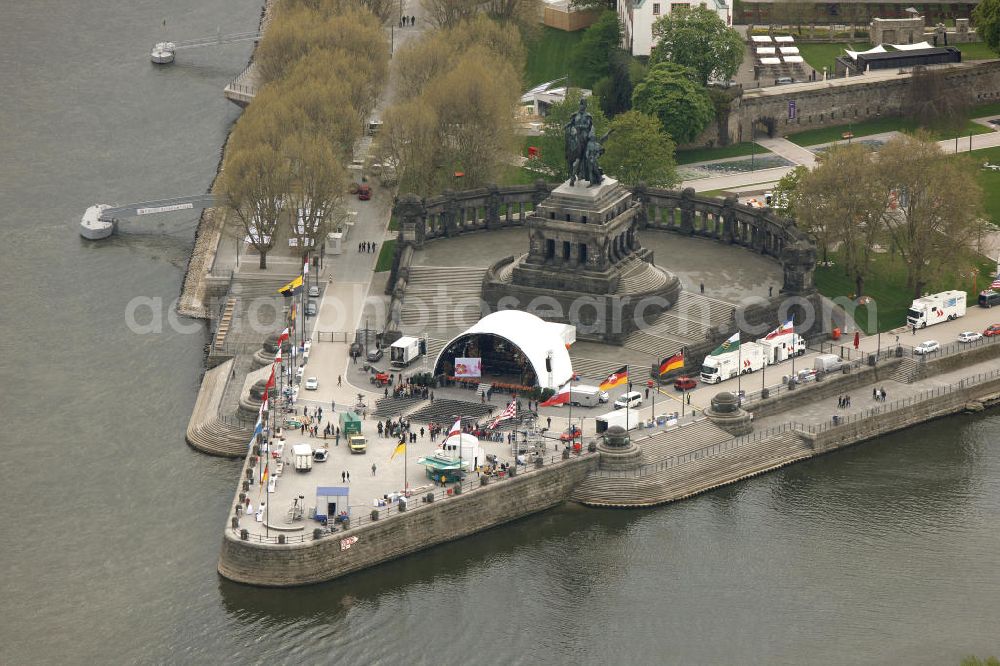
(638, 16)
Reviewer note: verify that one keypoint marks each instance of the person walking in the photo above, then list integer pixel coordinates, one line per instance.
(343, 477)
(701, 286)
(348, 477)
(338, 380)
(373, 469)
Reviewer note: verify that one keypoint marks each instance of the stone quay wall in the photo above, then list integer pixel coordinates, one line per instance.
(849, 100)
(402, 533)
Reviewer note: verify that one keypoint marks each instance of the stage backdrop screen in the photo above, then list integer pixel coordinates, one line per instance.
(468, 367)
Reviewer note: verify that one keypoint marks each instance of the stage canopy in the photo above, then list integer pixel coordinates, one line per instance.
(535, 338)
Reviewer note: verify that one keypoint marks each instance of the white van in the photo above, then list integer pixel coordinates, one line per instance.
(630, 400)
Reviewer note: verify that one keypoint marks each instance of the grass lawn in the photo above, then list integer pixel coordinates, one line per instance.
(384, 261)
(990, 182)
(879, 125)
(518, 175)
(819, 56)
(976, 51)
(887, 286)
(732, 150)
(549, 55)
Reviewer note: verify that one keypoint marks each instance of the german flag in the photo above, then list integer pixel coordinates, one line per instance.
(674, 362)
(292, 287)
(616, 378)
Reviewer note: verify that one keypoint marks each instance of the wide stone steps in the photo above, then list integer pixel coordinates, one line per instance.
(206, 431)
(668, 325)
(592, 370)
(442, 297)
(679, 441)
(395, 406)
(700, 475)
(641, 277)
(905, 372)
(446, 410)
(653, 346)
(432, 276)
(701, 308)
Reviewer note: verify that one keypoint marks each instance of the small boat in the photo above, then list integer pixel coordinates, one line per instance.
(93, 226)
(162, 53)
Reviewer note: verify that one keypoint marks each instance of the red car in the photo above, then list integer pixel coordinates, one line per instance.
(364, 192)
(685, 384)
(994, 329)
(575, 433)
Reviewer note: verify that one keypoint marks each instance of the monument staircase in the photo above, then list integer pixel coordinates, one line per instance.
(442, 297)
(207, 431)
(395, 406)
(690, 320)
(447, 410)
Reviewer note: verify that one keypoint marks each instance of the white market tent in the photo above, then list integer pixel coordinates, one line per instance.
(792, 59)
(784, 39)
(854, 54)
(537, 339)
(765, 50)
(911, 47)
(770, 61)
(789, 50)
(761, 39)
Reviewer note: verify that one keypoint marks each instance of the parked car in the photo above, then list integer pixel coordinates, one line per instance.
(312, 384)
(364, 191)
(311, 309)
(570, 434)
(320, 454)
(969, 336)
(603, 396)
(685, 383)
(991, 330)
(374, 355)
(783, 80)
(927, 347)
(630, 400)
(313, 291)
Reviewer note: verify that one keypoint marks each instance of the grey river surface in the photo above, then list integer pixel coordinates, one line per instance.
(885, 553)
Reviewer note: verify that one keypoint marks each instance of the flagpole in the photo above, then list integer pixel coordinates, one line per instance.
(572, 438)
(739, 368)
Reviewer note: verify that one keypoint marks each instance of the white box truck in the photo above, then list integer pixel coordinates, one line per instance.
(749, 357)
(935, 308)
(783, 347)
(626, 418)
(404, 351)
(586, 396)
(302, 457)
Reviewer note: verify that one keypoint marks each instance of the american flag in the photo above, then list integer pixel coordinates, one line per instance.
(509, 412)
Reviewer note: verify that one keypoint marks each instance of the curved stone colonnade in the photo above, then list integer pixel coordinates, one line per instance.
(679, 211)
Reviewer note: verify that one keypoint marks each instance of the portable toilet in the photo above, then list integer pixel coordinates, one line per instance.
(330, 500)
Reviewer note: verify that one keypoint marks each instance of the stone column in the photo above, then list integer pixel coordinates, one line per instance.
(493, 207)
(725, 234)
(798, 262)
(687, 211)
(541, 192)
(641, 217)
(450, 215)
(412, 215)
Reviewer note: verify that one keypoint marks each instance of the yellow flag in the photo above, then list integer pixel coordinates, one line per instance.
(292, 287)
(400, 448)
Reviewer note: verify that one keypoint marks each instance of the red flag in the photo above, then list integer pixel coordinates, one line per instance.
(560, 397)
(270, 381)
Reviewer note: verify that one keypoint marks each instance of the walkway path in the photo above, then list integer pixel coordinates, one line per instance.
(790, 151)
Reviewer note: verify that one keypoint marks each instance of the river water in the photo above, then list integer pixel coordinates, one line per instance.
(886, 553)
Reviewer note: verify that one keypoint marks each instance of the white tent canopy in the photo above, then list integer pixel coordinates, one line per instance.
(784, 39)
(854, 54)
(765, 50)
(912, 47)
(537, 339)
(761, 39)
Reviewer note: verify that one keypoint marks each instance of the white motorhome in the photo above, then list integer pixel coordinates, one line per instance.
(783, 347)
(403, 351)
(935, 308)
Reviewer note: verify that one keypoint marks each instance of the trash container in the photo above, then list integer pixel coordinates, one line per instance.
(835, 334)
(836, 420)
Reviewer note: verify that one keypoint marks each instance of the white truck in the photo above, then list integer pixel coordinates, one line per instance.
(626, 418)
(751, 356)
(586, 396)
(935, 308)
(302, 457)
(404, 351)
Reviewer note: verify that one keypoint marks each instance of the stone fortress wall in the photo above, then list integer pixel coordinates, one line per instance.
(792, 108)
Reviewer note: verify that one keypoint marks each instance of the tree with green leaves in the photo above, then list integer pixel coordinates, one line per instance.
(592, 54)
(986, 16)
(615, 90)
(697, 38)
(783, 196)
(638, 150)
(671, 93)
(552, 142)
